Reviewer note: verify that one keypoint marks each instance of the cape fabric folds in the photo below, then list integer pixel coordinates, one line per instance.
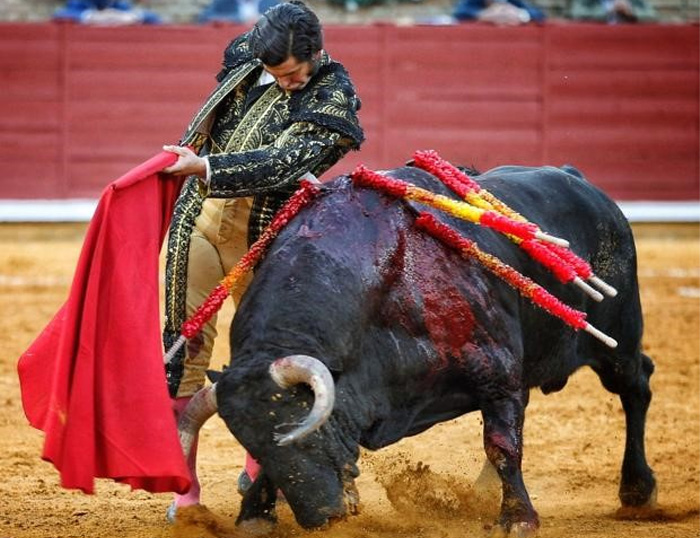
(94, 380)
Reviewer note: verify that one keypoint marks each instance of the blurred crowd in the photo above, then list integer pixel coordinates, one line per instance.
(124, 12)
(497, 12)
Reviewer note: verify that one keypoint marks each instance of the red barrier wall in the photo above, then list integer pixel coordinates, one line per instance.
(81, 105)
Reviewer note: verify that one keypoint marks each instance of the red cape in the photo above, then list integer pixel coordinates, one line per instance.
(94, 379)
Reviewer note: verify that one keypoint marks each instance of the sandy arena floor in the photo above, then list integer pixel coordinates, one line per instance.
(573, 439)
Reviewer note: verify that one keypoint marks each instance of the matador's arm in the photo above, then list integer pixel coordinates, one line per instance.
(303, 147)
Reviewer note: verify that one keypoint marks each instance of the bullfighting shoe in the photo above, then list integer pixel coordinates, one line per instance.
(200, 517)
(244, 483)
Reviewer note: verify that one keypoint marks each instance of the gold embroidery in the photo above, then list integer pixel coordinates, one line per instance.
(249, 126)
(178, 256)
(221, 91)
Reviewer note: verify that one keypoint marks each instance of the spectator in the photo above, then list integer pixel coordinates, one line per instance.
(354, 5)
(107, 12)
(237, 11)
(500, 12)
(612, 11)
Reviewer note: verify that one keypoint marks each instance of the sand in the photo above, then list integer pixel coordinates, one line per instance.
(419, 487)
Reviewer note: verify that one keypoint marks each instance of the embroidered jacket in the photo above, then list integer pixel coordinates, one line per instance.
(259, 150)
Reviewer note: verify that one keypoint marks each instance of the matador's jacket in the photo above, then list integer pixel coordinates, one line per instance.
(260, 150)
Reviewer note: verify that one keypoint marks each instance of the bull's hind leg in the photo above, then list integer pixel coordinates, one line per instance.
(631, 383)
(503, 442)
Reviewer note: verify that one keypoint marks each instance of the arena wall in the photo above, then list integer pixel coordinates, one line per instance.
(81, 105)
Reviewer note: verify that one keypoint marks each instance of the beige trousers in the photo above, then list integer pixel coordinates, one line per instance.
(218, 241)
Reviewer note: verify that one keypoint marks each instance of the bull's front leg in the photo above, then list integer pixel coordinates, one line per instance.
(257, 515)
(503, 442)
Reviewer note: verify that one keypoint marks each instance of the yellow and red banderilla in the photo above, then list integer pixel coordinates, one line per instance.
(521, 231)
(565, 264)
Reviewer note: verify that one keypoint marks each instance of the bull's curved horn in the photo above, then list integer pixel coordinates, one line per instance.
(295, 369)
(200, 408)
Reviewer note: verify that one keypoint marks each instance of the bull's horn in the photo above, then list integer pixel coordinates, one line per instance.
(200, 408)
(295, 369)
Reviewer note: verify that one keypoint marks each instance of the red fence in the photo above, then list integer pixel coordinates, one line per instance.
(81, 105)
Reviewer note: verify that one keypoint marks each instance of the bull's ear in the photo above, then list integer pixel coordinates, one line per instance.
(213, 375)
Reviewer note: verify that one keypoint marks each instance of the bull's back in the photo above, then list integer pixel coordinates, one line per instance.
(563, 203)
(560, 201)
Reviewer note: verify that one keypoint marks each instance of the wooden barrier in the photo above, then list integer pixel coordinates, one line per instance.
(81, 105)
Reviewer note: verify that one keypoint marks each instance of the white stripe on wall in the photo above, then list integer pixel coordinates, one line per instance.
(76, 210)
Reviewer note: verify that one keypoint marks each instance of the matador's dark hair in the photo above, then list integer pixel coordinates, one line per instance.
(288, 29)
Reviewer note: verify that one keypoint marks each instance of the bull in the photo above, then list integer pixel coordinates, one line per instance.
(359, 330)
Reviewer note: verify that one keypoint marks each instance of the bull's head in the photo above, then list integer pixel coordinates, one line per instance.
(318, 484)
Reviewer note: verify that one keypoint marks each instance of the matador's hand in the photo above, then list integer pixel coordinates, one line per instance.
(187, 164)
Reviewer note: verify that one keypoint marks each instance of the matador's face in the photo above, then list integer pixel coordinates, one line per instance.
(293, 75)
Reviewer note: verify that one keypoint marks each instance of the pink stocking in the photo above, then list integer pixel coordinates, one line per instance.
(252, 467)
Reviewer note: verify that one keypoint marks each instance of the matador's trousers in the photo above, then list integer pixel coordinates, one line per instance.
(217, 243)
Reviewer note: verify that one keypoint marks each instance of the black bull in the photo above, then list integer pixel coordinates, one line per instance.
(413, 334)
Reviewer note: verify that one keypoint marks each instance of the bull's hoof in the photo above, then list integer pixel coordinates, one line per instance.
(644, 511)
(521, 529)
(256, 527)
(641, 496)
